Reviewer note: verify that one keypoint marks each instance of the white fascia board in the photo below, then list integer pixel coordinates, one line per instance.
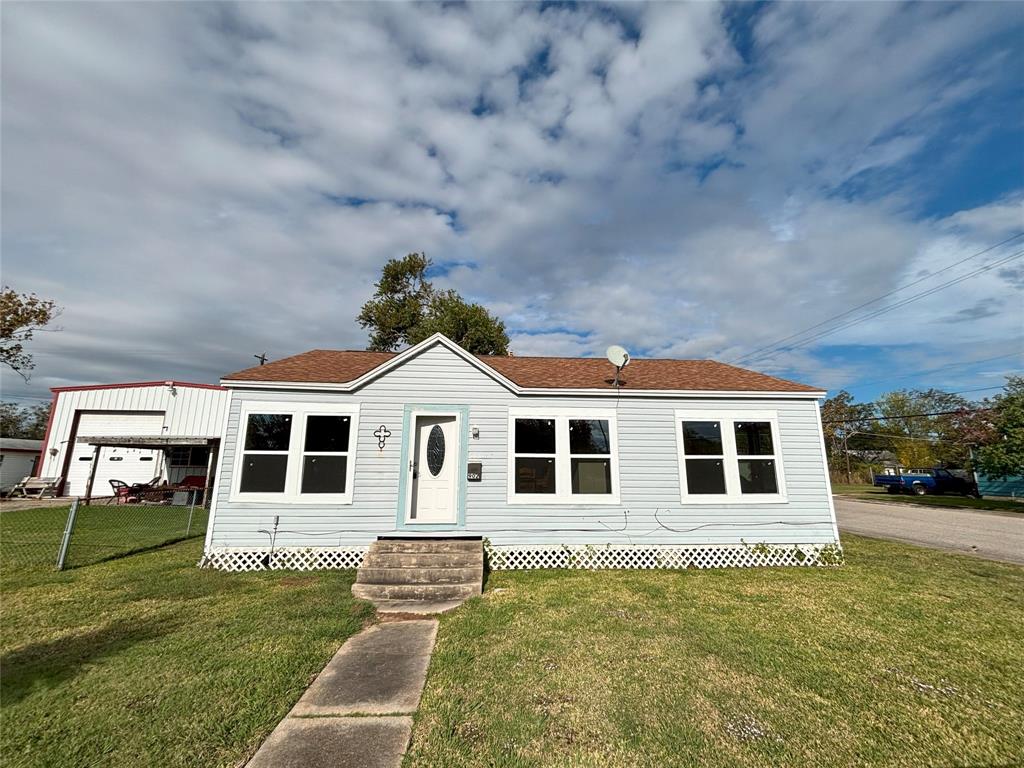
(672, 393)
(556, 392)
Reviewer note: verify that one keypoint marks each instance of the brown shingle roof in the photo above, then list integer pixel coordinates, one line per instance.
(598, 373)
(322, 366)
(326, 366)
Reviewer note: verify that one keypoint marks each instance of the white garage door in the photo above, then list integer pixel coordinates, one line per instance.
(132, 465)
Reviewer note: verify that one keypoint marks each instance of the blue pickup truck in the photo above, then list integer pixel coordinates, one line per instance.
(923, 481)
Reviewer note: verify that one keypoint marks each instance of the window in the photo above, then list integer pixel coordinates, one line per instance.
(325, 454)
(189, 456)
(731, 459)
(590, 453)
(757, 475)
(295, 453)
(707, 473)
(535, 456)
(562, 458)
(265, 462)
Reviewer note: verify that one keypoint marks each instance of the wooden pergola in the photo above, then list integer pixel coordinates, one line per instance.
(152, 443)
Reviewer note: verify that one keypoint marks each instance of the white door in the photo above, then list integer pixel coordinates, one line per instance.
(131, 465)
(434, 470)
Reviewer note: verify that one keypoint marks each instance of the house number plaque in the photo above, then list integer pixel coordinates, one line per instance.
(474, 471)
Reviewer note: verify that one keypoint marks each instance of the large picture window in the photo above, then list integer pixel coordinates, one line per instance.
(562, 457)
(729, 457)
(296, 453)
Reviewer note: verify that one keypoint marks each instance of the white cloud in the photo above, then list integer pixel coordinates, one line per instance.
(174, 174)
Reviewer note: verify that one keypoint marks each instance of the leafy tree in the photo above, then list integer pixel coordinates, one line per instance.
(840, 416)
(21, 314)
(842, 421)
(922, 441)
(398, 304)
(470, 326)
(21, 421)
(406, 308)
(1004, 456)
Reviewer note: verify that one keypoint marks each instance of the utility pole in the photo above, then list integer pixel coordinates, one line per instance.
(261, 357)
(846, 450)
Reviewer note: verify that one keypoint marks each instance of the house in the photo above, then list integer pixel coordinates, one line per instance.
(547, 460)
(18, 460)
(133, 432)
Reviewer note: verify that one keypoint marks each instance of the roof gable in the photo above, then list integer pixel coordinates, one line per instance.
(350, 369)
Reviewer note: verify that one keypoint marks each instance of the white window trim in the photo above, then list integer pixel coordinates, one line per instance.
(296, 443)
(563, 465)
(730, 459)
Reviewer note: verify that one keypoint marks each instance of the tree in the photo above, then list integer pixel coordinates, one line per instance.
(20, 316)
(406, 308)
(922, 441)
(470, 326)
(841, 418)
(399, 302)
(21, 421)
(1004, 456)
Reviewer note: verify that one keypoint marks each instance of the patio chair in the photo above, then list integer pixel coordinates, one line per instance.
(40, 487)
(122, 492)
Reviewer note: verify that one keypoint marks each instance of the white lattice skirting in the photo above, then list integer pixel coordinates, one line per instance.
(608, 557)
(286, 558)
(527, 558)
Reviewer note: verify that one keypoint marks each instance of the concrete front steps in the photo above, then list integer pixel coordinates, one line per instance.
(420, 575)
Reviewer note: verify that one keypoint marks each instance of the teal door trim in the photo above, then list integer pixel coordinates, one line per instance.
(408, 439)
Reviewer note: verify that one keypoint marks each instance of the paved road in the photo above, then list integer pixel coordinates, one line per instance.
(990, 535)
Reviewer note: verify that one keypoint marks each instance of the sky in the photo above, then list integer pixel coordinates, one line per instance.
(196, 183)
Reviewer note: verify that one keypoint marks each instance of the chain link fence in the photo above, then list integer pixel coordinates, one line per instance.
(75, 534)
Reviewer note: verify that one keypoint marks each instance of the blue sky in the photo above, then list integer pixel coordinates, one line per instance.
(195, 183)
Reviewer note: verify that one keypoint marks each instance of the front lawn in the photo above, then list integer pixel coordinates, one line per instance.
(871, 493)
(903, 657)
(150, 661)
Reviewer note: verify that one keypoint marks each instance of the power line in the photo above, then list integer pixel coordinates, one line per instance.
(976, 389)
(895, 306)
(906, 415)
(879, 298)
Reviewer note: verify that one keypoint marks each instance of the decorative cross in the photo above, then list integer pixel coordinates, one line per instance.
(382, 434)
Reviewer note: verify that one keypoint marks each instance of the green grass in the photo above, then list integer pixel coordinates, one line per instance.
(31, 537)
(964, 502)
(150, 661)
(903, 657)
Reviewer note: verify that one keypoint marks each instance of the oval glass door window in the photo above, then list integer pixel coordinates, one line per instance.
(435, 450)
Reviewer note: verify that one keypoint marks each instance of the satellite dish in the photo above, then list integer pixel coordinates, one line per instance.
(617, 356)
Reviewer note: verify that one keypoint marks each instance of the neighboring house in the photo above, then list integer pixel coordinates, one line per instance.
(132, 432)
(18, 459)
(685, 463)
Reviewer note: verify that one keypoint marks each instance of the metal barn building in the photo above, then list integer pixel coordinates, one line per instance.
(133, 433)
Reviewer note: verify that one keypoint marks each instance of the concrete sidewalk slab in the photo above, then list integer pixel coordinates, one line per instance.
(335, 742)
(379, 671)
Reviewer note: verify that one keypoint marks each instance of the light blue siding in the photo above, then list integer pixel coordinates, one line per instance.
(648, 471)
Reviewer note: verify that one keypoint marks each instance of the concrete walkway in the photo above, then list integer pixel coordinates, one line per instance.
(992, 535)
(358, 710)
